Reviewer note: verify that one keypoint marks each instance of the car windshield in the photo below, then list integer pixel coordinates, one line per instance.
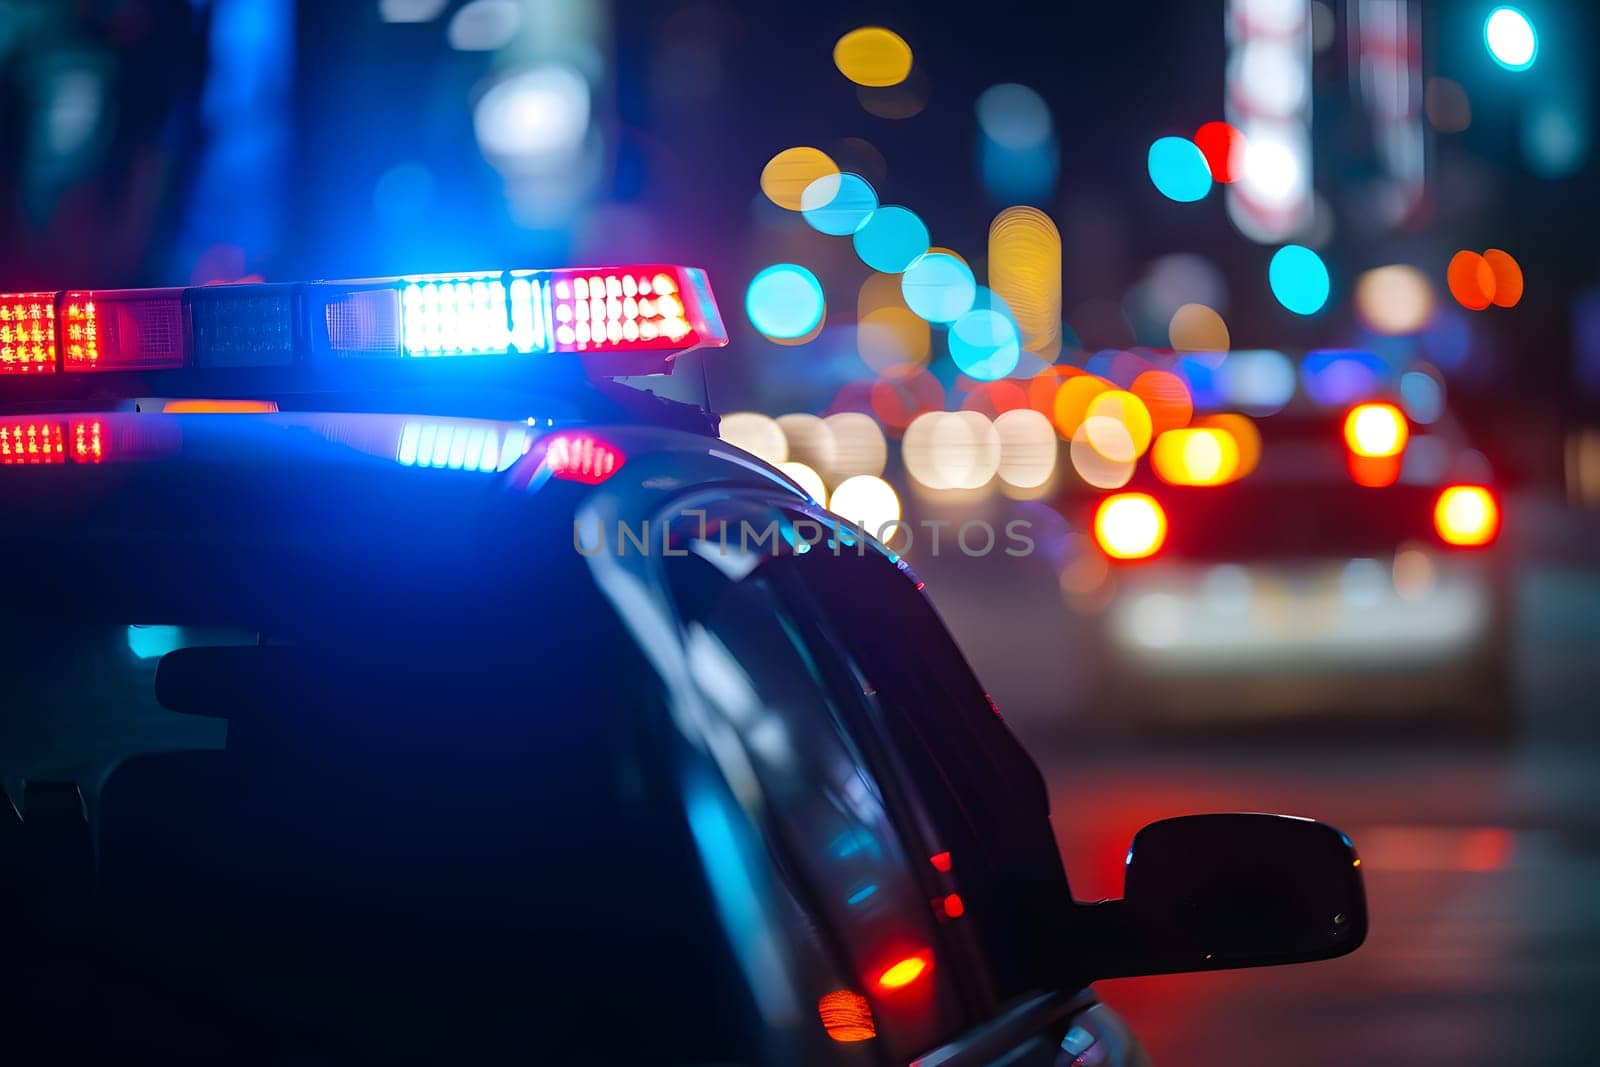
(378, 834)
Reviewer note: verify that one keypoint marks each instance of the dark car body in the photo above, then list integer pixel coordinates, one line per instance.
(334, 737)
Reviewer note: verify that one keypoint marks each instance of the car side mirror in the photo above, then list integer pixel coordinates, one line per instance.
(1208, 892)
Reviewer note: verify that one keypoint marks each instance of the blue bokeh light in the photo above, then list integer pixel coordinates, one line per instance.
(838, 206)
(1334, 376)
(1299, 279)
(1509, 35)
(891, 239)
(939, 287)
(984, 342)
(784, 301)
(1179, 170)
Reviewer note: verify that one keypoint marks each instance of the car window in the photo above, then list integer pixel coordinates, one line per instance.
(985, 795)
(342, 852)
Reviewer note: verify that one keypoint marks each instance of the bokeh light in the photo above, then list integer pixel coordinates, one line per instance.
(1258, 380)
(1422, 395)
(892, 238)
(1179, 170)
(1130, 526)
(1025, 273)
(1223, 146)
(897, 401)
(1471, 280)
(1072, 400)
(939, 287)
(867, 501)
(995, 398)
(1197, 328)
(1467, 515)
(1117, 425)
(1333, 376)
(789, 174)
(1246, 438)
(859, 446)
(1395, 300)
(1510, 37)
(758, 434)
(873, 56)
(810, 440)
(1165, 397)
(808, 479)
(984, 342)
(535, 118)
(484, 25)
(951, 450)
(785, 302)
(1299, 279)
(1027, 448)
(891, 338)
(838, 205)
(1014, 116)
(1447, 106)
(1376, 431)
(1095, 468)
(1507, 277)
(1195, 455)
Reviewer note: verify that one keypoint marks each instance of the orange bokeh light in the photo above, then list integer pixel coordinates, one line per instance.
(1166, 397)
(1471, 280)
(1507, 278)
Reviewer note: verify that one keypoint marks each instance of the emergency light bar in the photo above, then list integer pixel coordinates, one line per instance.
(619, 320)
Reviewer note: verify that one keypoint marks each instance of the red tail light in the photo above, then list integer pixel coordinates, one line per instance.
(129, 329)
(1467, 515)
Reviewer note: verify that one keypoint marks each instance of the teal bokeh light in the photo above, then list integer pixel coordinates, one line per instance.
(938, 287)
(1179, 170)
(891, 239)
(1509, 35)
(1299, 279)
(984, 342)
(785, 301)
(840, 205)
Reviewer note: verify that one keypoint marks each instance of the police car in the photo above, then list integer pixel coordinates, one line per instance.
(383, 683)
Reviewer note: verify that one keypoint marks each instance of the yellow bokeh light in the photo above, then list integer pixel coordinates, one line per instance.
(1195, 456)
(1130, 526)
(1025, 272)
(788, 175)
(1072, 401)
(894, 341)
(1246, 438)
(951, 450)
(1118, 425)
(1197, 328)
(873, 56)
(1376, 431)
(1467, 515)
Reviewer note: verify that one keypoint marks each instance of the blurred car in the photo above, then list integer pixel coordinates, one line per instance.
(1339, 562)
(336, 727)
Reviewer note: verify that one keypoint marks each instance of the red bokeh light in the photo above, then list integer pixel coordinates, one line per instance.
(1223, 147)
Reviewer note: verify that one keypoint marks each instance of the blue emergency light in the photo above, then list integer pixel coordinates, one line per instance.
(620, 320)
